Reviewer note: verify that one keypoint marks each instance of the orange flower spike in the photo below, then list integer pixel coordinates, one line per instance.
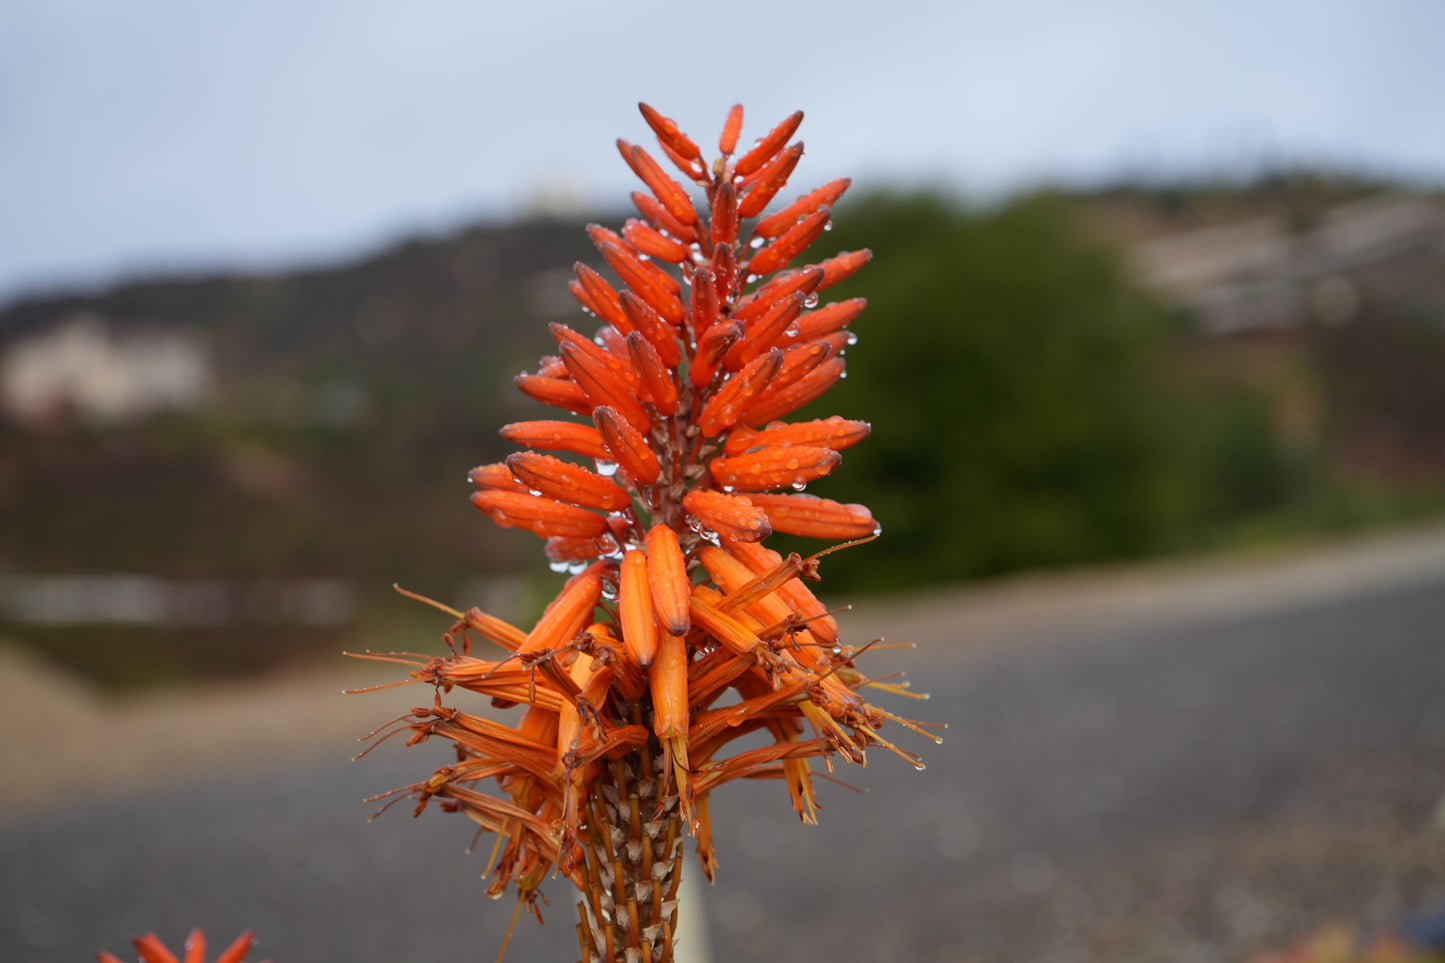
(827, 319)
(669, 192)
(711, 346)
(627, 446)
(566, 615)
(634, 606)
(766, 298)
(544, 516)
(667, 576)
(815, 517)
(725, 214)
(758, 471)
(731, 516)
(727, 405)
(603, 387)
(797, 394)
(497, 476)
(769, 181)
(657, 383)
(567, 482)
(636, 275)
(667, 133)
(825, 196)
(844, 266)
(557, 436)
(661, 335)
(556, 392)
(658, 217)
(732, 127)
(598, 297)
(762, 334)
(836, 433)
(704, 301)
(653, 243)
(792, 243)
(764, 150)
(618, 363)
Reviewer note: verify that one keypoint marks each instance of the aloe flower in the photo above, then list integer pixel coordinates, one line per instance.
(678, 631)
(151, 950)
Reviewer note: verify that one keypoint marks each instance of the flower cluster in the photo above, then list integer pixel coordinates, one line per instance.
(678, 632)
(151, 950)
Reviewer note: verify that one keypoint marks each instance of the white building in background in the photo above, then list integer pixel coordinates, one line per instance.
(80, 365)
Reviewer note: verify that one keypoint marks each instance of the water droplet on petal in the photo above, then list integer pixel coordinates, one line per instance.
(696, 166)
(793, 329)
(756, 243)
(606, 468)
(811, 300)
(852, 338)
(559, 567)
(729, 488)
(798, 484)
(828, 226)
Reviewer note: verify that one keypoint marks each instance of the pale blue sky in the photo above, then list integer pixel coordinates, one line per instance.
(142, 135)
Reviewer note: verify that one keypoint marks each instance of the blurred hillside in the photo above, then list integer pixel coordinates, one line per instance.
(221, 474)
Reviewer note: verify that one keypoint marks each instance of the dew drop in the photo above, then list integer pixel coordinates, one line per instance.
(576, 568)
(559, 567)
(606, 468)
(811, 300)
(798, 484)
(751, 278)
(533, 491)
(792, 330)
(643, 257)
(696, 166)
(877, 529)
(919, 766)
(828, 226)
(843, 375)
(708, 534)
(609, 591)
(729, 488)
(837, 650)
(852, 338)
(756, 243)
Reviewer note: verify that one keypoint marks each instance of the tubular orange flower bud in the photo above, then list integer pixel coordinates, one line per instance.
(544, 516)
(565, 617)
(603, 387)
(797, 394)
(607, 354)
(634, 606)
(762, 334)
(669, 688)
(816, 517)
(724, 270)
(696, 172)
(624, 147)
(599, 297)
(767, 468)
(799, 360)
(636, 275)
(825, 196)
(654, 243)
(668, 191)
(711, 346)
(566, 482)
(738, 393)
(731, 516)
(769, 181)
(667, 133)
(656, 276)
(792, 243)
(571, 550)
(827, 319)
(614, 346)
(497, 476)
(651, 326)
(704, 301)
(764, 150)
(733, 126)
(657, 215)
(836, 433)
(765, 298)
(657, 385)
(627, 446)
(667, 575)
(555, 392)
(725, 214)
(490, 627)
(557, 436)
(843, 266)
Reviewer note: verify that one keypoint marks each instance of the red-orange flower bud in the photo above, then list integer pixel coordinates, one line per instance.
(668, 578)
(566, 482)
(730, 516)
(758, 471)
(816, 517)
(545, 516)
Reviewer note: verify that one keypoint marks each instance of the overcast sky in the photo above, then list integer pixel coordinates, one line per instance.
(140, 135)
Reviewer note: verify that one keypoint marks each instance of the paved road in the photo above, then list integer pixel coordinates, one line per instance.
(1167, 789)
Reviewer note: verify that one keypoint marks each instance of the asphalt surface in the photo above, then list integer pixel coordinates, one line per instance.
(1189, 787)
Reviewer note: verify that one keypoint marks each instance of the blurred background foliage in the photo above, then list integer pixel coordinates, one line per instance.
(1055, 379)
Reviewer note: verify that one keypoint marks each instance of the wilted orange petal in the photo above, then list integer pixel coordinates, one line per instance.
(764, 150)
(628, 447)
(634, 607)
(738, 393)
(711, 346)
(496, 475)
(657, 383)
(725, 214)
(505, 634)
(732, 127)
(568, 613)
(653, 243)
(557, 436)
(566, 482)
(554, 391)
(668, 578)
(544, 516)
(603, 387)
(844, 266)
(667, 133)
(669, 192)
(669, 688)
(816, 517)
(731, 516)
(825, 196)
(827, 319)
(836, 433)
(796, 395)
(763, 333)
(769, 181)
(765, 298)
(649, 207)
(651, 326)
(792, 243)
